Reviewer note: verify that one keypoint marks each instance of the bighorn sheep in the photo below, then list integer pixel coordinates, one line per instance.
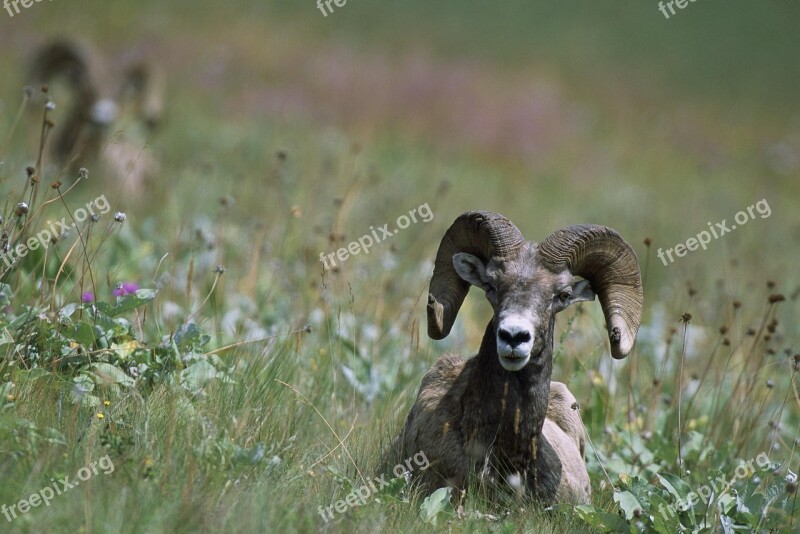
(497, 415)
(124, 97)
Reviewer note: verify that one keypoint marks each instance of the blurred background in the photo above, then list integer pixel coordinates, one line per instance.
(288, 133)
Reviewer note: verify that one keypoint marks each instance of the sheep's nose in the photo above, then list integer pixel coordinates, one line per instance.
(514, 335)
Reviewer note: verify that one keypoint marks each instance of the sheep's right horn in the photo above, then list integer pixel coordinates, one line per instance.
(600, 255)
(481, 233)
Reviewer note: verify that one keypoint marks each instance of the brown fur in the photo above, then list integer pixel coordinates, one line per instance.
(492, 439)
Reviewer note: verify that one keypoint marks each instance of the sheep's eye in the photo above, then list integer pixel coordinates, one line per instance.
(564, 296)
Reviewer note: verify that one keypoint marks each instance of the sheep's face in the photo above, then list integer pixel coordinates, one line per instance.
(525, 296)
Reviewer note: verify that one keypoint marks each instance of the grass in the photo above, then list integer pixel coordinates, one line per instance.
(288, 135)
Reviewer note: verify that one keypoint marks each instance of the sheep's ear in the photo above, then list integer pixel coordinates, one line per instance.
(471, 269)
(581, 292)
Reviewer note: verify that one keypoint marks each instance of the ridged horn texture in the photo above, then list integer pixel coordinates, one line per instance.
(600, 255)
(481, 233)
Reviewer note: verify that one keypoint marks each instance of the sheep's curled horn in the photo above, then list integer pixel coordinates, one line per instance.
(594, 252)
(598, 254)
(481, 233)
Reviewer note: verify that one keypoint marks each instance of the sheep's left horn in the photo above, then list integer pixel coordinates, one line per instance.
(482, 233)
(600, 255)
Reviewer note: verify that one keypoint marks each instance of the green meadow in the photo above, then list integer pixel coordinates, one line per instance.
(190, 361)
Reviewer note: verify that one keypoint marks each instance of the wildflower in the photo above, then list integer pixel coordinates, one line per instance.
(100, 416)
(50, 105)
(83, 174)
(22, 209)
(106, 403)
(125, 288)
(87, 297)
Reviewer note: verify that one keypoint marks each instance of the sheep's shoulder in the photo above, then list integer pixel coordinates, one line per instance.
(562, 410)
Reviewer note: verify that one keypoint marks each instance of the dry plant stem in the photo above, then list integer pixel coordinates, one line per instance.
(657, 388)
(680, 399)
(14, 124)
(339, 440)
(703, 376)
(189, 279)
(248, 341)
(60, 270)
(213, 286)
(743, 393)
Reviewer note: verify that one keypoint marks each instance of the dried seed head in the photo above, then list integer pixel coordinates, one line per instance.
(771, 328)
(50, 106)
(94, 218)
(776, 298)
(767, 337)
(692, 291)
(791, 482)
(648, 241)
(22, 209)
(726, 342)
(120, 217)
(30, 171)
(83, 173)
(770, 384)
(220, 270)
(737, 304)
(686, 317)
(723, 330)
(750, 332)
(770, 284)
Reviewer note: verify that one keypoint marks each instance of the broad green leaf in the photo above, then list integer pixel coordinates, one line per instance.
(132, 301)
(107, 373)
(436, 504)
(628, 503)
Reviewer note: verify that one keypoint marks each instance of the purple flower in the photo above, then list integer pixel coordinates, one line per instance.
(87, 297)
(125, 288)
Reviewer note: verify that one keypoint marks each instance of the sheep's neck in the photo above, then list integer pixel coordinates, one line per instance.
(507, 431)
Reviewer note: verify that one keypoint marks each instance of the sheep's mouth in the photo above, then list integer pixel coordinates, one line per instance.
(514, 362)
